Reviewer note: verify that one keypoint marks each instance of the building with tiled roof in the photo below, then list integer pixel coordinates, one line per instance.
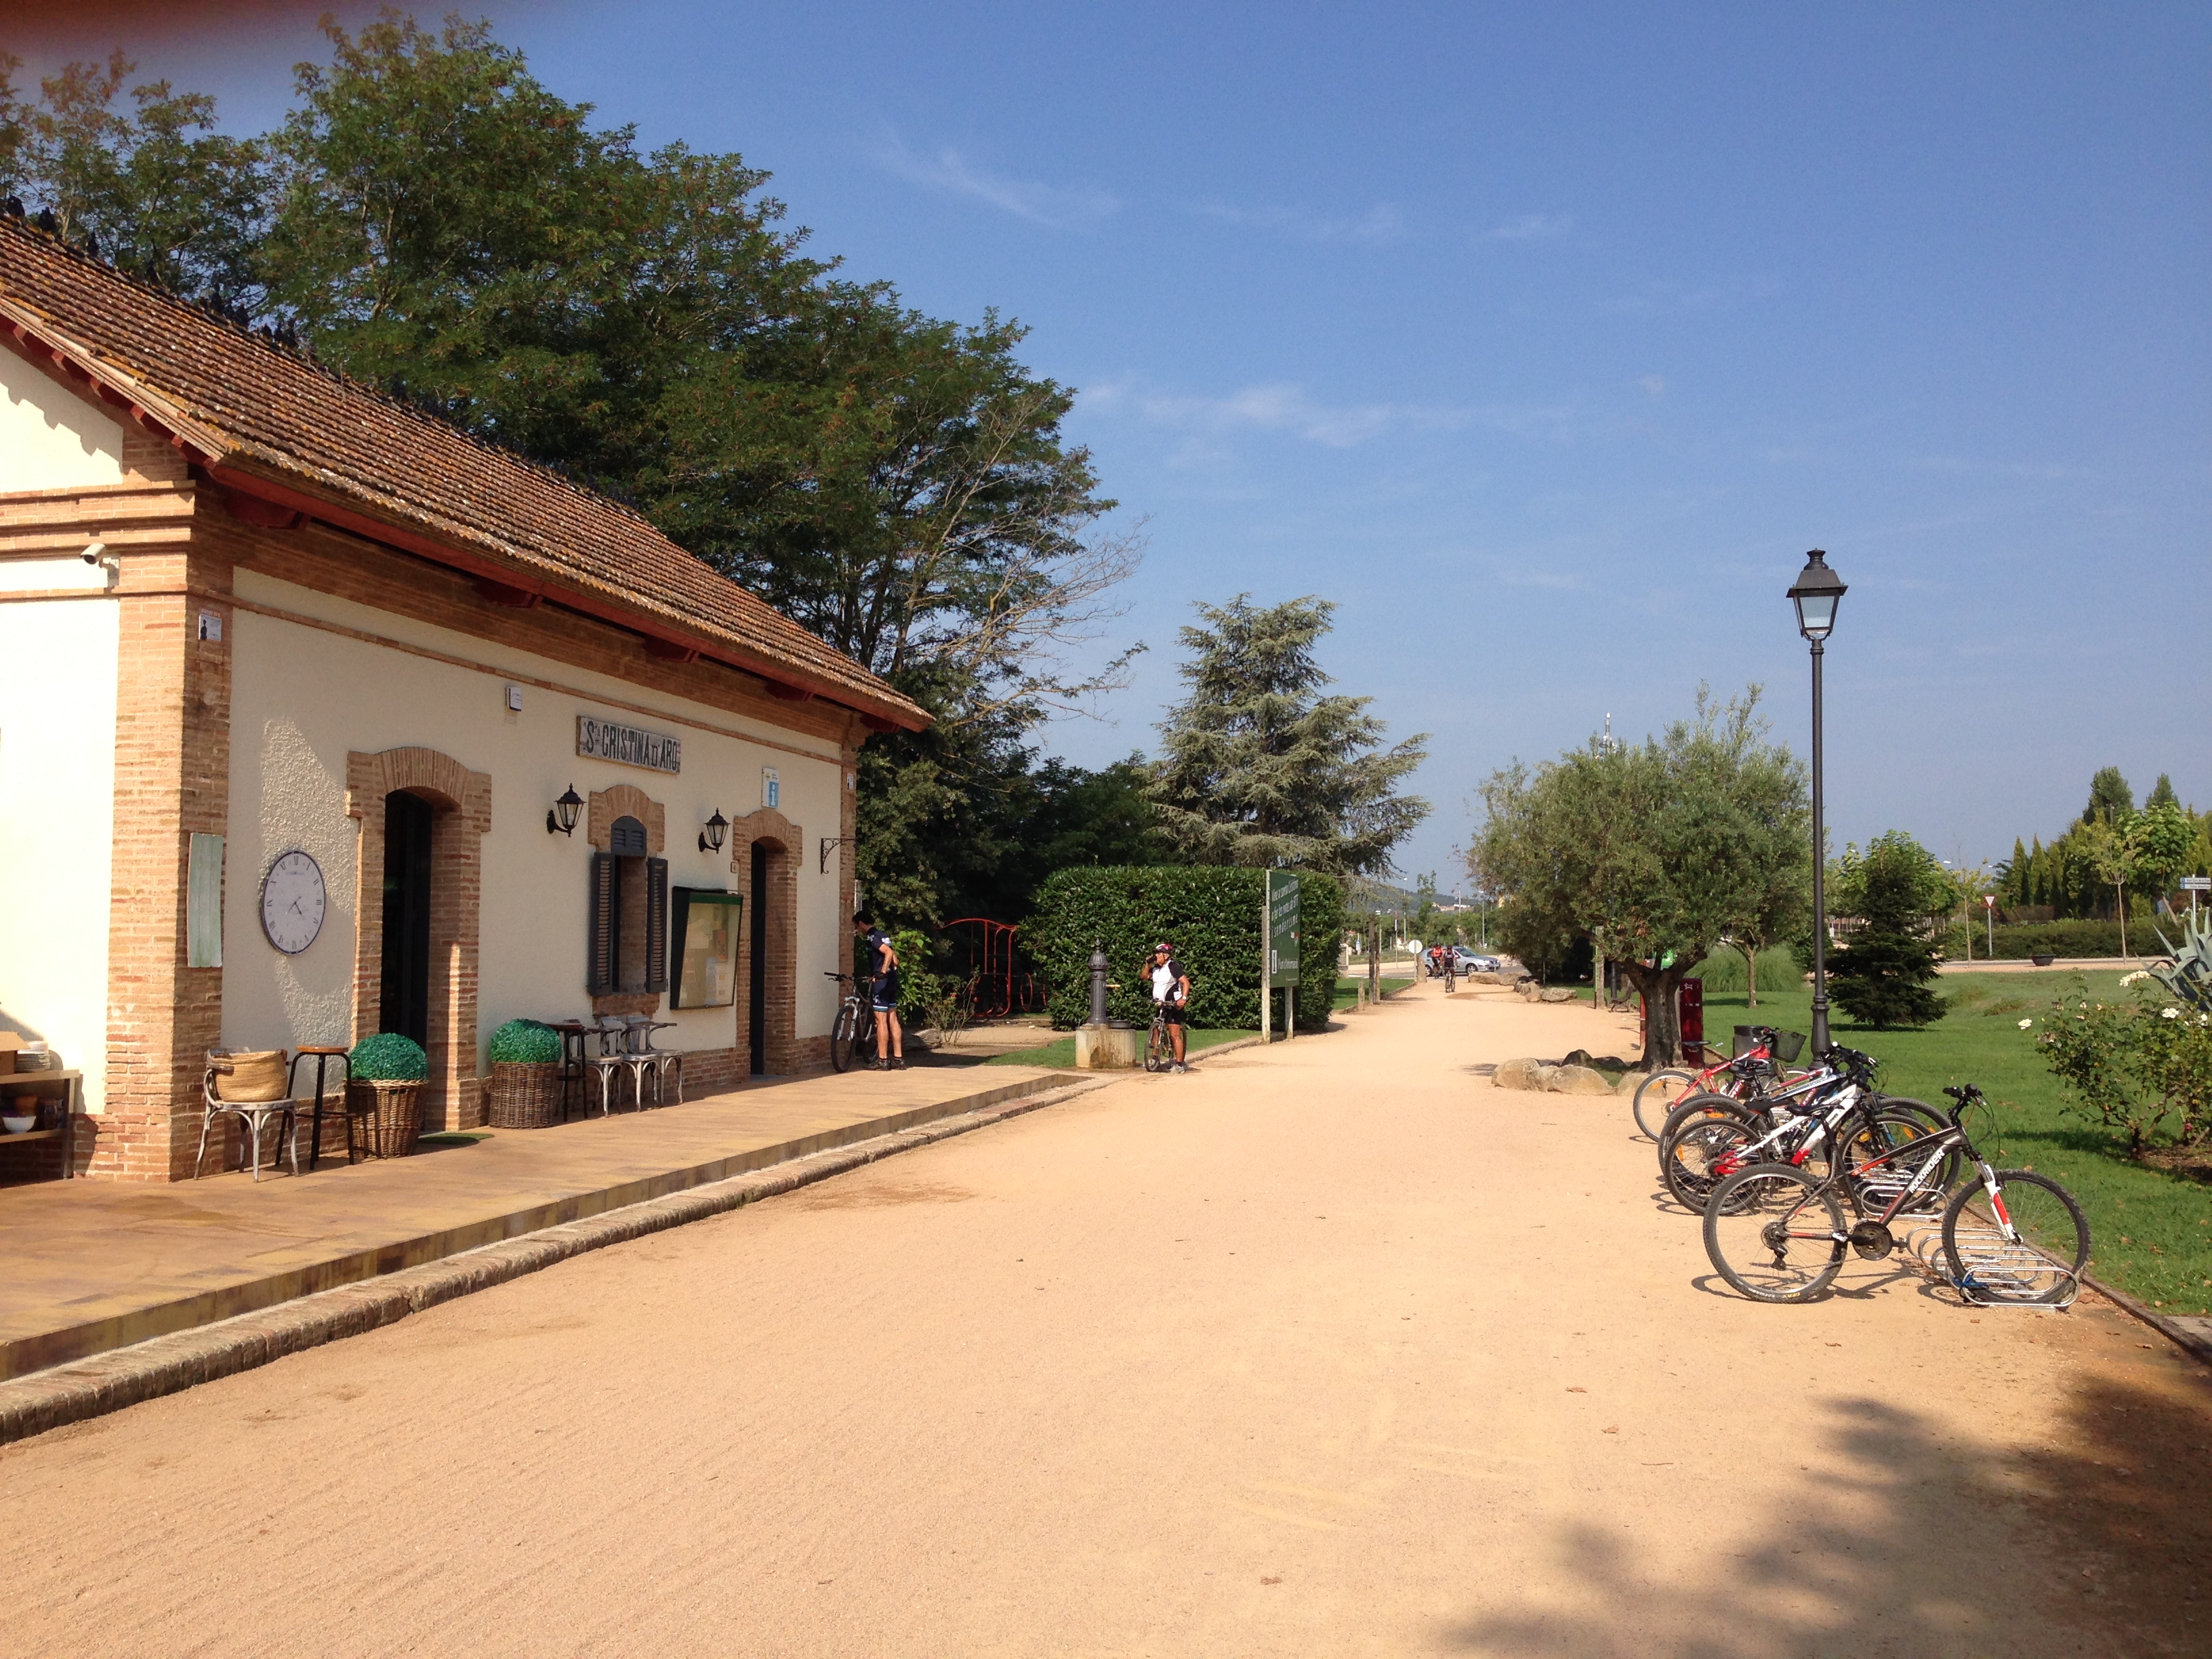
(320, 718)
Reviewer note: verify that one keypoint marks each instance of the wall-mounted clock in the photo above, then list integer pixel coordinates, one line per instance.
(293, 901)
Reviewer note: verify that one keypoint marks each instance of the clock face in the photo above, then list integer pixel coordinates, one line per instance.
(292, 902)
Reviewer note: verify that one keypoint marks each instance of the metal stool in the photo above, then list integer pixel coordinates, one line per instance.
(322, 1054)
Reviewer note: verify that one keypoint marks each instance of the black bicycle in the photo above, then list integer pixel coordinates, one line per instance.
(852, 1034)
(1776, 1231)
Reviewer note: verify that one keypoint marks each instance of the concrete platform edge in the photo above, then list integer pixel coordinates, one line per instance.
(364, 1273)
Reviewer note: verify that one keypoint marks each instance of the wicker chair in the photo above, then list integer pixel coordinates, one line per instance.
(255, 1103)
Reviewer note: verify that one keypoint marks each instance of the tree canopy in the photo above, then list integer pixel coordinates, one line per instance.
(1259, 767)
(430, 218)
(1654, 852)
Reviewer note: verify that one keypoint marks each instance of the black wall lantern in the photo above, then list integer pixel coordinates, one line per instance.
(560, 817)
(711, 838)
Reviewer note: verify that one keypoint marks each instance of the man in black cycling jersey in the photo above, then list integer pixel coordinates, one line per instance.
(1170, 987)
(882, 972)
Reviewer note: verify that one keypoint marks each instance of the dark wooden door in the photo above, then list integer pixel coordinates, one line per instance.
(757, 973)
(404, 1006)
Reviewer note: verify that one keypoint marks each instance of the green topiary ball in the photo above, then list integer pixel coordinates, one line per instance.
(387, 1057)
(525, 1043)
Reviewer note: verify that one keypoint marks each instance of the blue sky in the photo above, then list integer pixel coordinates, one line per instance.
(1546, 340)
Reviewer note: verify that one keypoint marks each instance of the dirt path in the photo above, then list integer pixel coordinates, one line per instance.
(1327, 1349)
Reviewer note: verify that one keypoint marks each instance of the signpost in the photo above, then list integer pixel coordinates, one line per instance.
(1279, 946)
(1990, 914)
(2193, 885)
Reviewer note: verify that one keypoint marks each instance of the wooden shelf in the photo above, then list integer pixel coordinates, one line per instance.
(25, 1139)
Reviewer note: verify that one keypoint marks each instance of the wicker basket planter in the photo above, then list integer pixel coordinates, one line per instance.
(398, 1123)
(525, 1095)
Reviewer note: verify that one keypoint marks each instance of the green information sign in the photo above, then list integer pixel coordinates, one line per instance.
(1282, 928)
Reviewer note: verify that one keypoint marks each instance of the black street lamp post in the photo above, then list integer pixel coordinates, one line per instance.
(1816, 593)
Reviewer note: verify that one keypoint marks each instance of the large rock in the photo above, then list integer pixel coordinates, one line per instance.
(1556, 993)
(1576, 1080)
(1521, 1074)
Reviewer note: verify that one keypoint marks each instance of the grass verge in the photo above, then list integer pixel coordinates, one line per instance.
(2150, 1232)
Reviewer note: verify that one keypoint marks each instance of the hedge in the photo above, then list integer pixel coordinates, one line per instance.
(1211, 915)
(2074, 938)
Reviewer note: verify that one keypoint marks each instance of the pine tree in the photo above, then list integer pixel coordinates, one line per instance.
(2161, 793)
(1882, 978)
(1260, 769)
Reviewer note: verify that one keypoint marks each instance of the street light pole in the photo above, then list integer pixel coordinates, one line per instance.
(1816, 594)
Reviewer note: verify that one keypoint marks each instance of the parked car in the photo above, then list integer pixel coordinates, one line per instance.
(1473, 962)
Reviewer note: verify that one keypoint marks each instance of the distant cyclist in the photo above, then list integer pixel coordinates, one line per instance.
(1171, 995)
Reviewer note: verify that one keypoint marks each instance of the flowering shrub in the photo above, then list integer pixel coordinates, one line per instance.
(2142, 1067)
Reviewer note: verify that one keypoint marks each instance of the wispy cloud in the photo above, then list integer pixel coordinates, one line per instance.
(1658, 297)
(1280, 407)
(1380, 223)
(1533, 227)
(1654, 384)
(947, 170)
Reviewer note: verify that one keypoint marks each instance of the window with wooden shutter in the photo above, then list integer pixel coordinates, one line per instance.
(656, 924)
(602, 978)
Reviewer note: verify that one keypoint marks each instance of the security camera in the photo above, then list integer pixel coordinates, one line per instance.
(96, 553)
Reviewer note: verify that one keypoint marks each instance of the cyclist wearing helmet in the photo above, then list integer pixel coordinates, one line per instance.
(1171, 993)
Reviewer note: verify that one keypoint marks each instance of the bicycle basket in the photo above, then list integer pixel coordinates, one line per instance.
(1788, 1045)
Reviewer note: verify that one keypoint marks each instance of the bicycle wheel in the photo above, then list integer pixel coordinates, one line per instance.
(1696, 1147)
(1775, 1233)
(1893, 1153)
(2042, 1262)
(1657, 1095)
(1935, 1121)
(1692, 1109)
(845, 1037)
(1159, 1049)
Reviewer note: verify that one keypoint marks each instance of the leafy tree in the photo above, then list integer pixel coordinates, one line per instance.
(1653, 852)
(1881, 977)
(1260, 768)
(2109, 798)
(2159, 840)
(157, 191)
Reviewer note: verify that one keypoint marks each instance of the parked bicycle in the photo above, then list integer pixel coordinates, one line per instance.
(853, 1033)
(1774, 1230)
(1660, 1092)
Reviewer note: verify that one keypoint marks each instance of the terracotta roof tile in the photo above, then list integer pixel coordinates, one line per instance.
(256, 409)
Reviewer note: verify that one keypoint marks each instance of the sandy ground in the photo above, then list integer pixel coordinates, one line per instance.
(1328, 1349)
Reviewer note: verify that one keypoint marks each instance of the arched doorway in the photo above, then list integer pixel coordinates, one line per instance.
(764, 864)
(423, 817)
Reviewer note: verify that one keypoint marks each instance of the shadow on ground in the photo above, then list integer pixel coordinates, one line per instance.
(2098, 1545)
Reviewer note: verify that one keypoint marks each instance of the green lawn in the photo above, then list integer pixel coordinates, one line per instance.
(1061, 1050)
(2150, 1232)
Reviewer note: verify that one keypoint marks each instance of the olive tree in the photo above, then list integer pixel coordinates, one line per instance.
(1655, 852)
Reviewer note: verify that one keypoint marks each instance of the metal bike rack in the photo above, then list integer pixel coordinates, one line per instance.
(1991, 1258)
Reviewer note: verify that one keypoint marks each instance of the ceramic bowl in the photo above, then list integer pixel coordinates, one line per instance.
(19, 1126)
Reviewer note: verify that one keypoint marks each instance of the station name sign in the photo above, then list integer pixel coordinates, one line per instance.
(630, 745)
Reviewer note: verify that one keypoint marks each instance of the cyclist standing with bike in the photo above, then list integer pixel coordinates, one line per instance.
(1171, 995)
(884, 999)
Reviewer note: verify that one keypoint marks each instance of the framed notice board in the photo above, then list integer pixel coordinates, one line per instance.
(702, 947)
(1282, 928)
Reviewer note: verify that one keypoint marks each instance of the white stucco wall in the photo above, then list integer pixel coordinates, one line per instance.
(57, 663)
(50, 439)
(301, 697)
